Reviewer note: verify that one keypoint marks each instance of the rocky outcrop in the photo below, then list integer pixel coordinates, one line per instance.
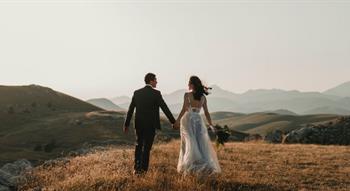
(4, 188)
(331, 133)
(11, 174)
(275, 136)
(254, 137)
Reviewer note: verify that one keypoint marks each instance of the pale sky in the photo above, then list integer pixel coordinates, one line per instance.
(103, 48)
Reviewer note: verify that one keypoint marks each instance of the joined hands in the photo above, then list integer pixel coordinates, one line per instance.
(176, 125)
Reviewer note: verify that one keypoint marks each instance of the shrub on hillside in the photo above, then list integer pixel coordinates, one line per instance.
(50, 146)
(34, 104)
(38, 147)
(10, 110)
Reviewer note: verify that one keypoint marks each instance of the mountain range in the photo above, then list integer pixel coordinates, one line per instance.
(333, 101)
(105, 104)
(39, 123)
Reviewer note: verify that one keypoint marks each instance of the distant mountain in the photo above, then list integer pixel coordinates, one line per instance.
(105, 104)
(328, 110)
(263, 100)
(296, 105)
(343, 90)
(218, 92)
(121, 100)
(219, 100)
(223, 104)
(267, 95)
(175, 97)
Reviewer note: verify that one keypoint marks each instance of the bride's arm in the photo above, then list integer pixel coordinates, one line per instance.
(206, 112)
(183, 110)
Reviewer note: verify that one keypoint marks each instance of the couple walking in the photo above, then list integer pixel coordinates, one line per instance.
(197, 154)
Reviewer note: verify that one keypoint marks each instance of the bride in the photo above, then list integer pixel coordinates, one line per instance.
(197, 154)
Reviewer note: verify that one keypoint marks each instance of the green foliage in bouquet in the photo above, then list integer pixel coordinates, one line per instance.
(222, 134)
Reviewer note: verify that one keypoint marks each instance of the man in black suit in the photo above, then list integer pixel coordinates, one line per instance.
(147, 102)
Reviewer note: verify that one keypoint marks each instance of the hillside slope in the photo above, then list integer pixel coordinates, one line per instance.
(325, 110)
(34, 98)
(38, 123)
(263, 123)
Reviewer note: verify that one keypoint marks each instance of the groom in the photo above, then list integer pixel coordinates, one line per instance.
(147, 101)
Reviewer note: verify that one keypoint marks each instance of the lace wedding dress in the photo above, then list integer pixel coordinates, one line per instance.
(197, 154)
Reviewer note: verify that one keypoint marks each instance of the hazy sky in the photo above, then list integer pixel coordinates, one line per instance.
(104, 48)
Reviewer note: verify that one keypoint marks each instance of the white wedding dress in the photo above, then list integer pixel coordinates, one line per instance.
(197, 154)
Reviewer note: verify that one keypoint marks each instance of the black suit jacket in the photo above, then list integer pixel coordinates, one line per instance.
(147, 102)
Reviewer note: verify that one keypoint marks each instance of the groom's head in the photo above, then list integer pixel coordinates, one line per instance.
(151, 79)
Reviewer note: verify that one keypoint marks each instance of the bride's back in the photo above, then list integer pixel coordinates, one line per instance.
(193, 103)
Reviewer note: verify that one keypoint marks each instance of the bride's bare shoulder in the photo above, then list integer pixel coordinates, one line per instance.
(187, 94)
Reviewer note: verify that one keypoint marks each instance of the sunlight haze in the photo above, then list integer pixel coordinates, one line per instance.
(104, 48)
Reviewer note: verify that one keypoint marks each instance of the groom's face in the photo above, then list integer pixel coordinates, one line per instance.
(154, 83)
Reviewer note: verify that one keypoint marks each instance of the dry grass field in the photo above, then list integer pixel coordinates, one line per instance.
(246, 166)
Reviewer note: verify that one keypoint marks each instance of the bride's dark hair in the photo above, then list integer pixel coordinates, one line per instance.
(199, 89)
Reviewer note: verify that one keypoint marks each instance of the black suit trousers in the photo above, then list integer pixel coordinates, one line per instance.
(144, 142)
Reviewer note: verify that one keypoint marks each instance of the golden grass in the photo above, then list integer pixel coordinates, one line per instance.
(246, 166)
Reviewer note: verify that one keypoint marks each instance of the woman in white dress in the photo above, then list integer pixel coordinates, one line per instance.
(197, 154)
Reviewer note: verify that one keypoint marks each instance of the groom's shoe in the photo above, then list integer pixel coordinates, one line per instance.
(138, 172)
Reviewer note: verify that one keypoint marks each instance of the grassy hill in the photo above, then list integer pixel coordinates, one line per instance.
(246, 166)
(38, 123)
(224, 115)
(329, 109)
(262, 123)
(38, 99)
(282, 112)
(54, 135)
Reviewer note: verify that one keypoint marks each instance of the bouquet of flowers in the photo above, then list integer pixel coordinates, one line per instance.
(221, 133)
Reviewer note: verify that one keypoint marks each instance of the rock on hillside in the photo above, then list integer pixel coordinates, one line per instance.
(11, 174)
(332, 133)
(275, 136)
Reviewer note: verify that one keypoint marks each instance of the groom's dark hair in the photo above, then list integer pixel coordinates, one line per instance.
(149, 77)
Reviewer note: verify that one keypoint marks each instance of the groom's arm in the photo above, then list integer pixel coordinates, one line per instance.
(165, 109)
(130, 112)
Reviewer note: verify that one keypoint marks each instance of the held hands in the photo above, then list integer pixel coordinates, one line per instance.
(176, 125)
